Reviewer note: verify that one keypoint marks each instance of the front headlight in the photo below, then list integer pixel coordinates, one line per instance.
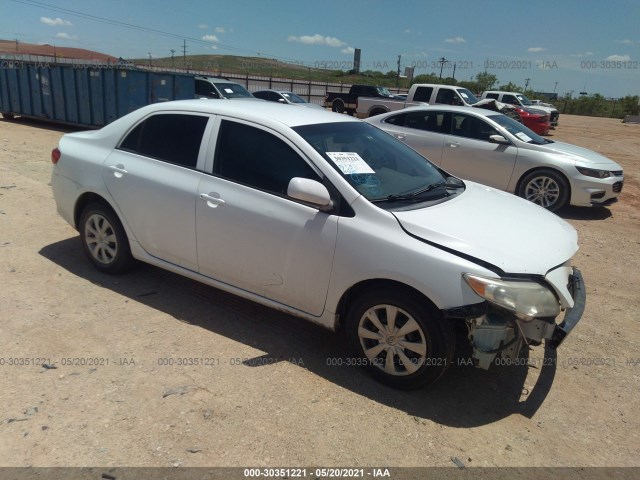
(592, 172)
(525, 298)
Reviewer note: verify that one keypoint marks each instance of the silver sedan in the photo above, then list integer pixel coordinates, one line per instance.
(490, 148)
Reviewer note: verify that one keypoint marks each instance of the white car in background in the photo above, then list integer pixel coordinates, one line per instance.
(327, 218)
(491, 148)
(286, 97)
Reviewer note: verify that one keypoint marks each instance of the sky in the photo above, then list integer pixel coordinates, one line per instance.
(563, 46)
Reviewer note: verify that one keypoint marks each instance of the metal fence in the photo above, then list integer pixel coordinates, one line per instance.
(312, 91)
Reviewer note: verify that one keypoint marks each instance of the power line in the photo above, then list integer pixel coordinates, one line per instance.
(108, 21)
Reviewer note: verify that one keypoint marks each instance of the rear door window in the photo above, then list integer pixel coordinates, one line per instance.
(170, 137)
(422, 94)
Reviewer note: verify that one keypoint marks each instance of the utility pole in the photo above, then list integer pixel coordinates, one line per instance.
(526, 83)
(184, 52)
(454, 70)
(172, 59)
(149, 58)
(554, 87)
(17, 42)
(398, 77)
(441, 61)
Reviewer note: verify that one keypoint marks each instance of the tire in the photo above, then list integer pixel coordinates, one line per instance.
(104, 240)
(337, 106)
(376, 112)
(8, 116)
(546, 188)
(384, 353)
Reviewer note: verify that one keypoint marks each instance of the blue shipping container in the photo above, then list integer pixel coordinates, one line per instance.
(88, 97)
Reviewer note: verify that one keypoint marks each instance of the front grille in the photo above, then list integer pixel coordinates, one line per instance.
(617, 173)
(617, 187)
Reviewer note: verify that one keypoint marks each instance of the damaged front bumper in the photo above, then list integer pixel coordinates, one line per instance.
(496, 332)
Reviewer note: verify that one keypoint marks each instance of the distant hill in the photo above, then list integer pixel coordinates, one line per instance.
(9, 47)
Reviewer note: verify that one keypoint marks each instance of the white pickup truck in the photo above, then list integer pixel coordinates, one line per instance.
(419, 94)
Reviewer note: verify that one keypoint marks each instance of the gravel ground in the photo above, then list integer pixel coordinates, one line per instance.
(263, 393)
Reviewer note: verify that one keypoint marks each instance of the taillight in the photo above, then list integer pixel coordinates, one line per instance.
(55, 155)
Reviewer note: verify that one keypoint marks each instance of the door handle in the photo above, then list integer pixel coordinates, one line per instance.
(453, 144)
(118, 170)
(212, 202)
(400, 137)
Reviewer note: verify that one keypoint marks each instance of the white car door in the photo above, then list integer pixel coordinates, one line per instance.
(421, 130)
(469, 154)
(153, 178)
(249, 234)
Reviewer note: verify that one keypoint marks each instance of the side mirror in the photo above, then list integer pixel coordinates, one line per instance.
(499, 139)
(282, 100)
(310, 192)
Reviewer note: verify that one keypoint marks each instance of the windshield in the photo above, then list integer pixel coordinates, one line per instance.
(372, 161)
(292, 97)
(469, 97)
(233, 90)
(384, 92)
(517, 129)
(524, 100)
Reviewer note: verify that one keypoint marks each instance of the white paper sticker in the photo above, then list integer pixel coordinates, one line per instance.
(228, 90)
(350, 162)
(464, 95)
(523, 136)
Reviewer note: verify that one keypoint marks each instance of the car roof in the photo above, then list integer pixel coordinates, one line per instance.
(481, 112)
(253, 110)
(504, 91)
(274, 90)
(216, 80)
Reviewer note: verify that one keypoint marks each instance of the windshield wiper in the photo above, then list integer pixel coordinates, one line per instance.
(412, 196)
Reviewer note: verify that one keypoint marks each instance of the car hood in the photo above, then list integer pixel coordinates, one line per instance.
(583, 155)
(508, 232)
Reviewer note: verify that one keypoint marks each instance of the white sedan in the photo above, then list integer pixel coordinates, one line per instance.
(493, 149)
(327, 218)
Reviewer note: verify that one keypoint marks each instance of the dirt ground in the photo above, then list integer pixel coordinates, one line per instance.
(264, 392)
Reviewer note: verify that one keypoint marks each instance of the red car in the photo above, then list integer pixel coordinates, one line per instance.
(536, 120)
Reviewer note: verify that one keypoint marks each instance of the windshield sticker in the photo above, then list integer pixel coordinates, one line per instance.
(350, 162)
(464, 95)
(524, 137)
(228, 90)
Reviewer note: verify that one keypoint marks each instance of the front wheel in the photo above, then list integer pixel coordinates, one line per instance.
(400, 339)
(104, 240)
(546, 188)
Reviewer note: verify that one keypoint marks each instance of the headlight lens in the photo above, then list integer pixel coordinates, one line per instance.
(591, 172)
(528, 299)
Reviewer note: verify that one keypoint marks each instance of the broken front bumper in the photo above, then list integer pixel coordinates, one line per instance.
(498, 333)
(572, 315)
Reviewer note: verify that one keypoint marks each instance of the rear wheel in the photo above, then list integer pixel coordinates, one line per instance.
(104, 240)
(337, 106)
(546, 188)
(401, 339)
(8, 116)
